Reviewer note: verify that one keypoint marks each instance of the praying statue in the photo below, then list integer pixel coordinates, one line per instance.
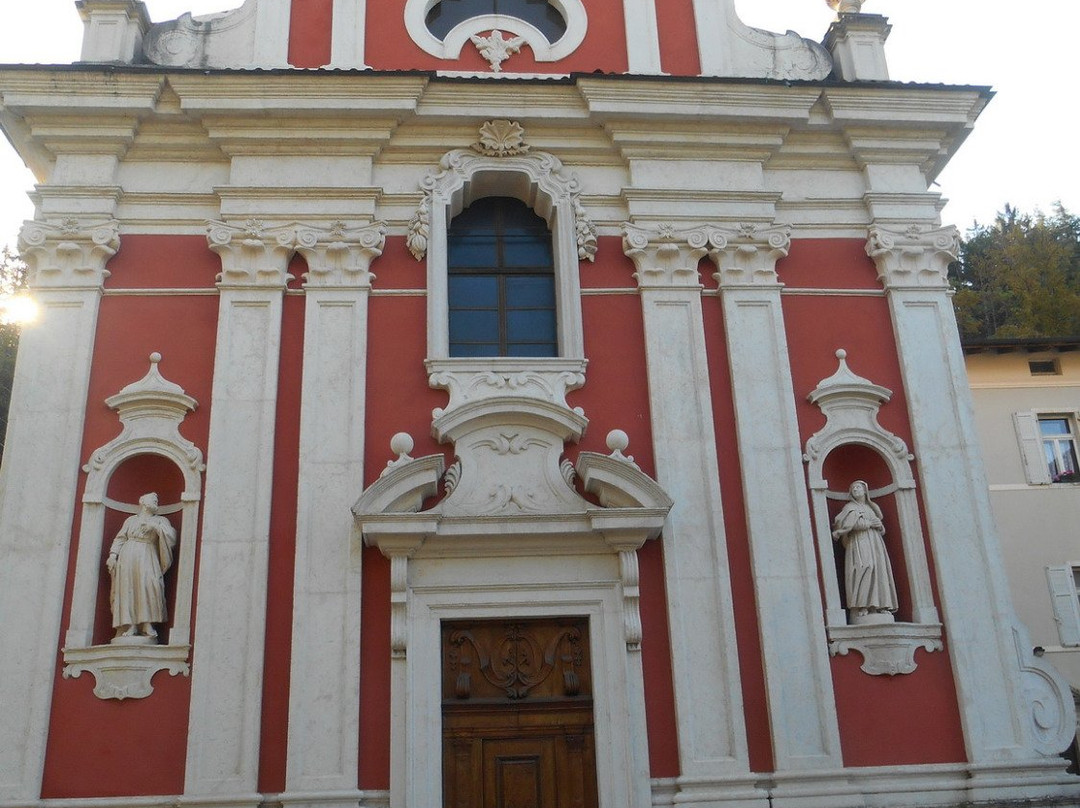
(868, 578)
(140, 555)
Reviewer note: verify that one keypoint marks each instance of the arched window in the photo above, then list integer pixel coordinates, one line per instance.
(444, 15)
(501, 281)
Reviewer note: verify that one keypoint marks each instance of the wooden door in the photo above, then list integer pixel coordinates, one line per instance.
(518, 715)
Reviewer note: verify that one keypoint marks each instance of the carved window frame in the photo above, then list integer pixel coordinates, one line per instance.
(151, 411)
(850, 404)
(573, 11)
(539, 180)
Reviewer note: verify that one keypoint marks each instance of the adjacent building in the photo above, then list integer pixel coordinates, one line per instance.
(1027, 404)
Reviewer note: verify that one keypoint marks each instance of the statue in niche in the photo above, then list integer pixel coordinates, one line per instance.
(868, 578)
(141, 554)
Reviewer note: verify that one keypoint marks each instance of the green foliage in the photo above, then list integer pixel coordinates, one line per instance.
(12, 280)
(1020, 277)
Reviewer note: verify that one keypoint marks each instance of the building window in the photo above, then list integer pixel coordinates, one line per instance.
(444, 15)
(1059, 448)
(1044, 367)
(1064, 583)
(1047, 441)
(500, 281)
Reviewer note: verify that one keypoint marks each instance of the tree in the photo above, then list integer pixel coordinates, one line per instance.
(1020, 277)
(12, 281)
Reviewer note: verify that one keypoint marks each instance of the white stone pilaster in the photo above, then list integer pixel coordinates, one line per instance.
(1012, 705)
(857, 45)
(642, 37)
(324, 706)
(230, 623)
(708, 691)
(347, 41)
(39, 480)
(272, 23)
(805, 733)
(112, 29)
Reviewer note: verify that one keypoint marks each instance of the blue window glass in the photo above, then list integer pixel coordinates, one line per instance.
(501, 281)
(445, 14)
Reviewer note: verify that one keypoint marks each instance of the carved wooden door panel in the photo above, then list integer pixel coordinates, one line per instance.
(518, 715)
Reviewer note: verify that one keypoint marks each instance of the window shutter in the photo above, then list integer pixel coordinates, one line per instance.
(1066, 606)
(1031, 448)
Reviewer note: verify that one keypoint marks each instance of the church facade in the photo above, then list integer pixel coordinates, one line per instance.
(480, 402)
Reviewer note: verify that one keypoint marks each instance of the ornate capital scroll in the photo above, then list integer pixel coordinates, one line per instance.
(71, 253)
(746, 255)
(252, 253)
(340, 255)
(665, 256)
(917, 257)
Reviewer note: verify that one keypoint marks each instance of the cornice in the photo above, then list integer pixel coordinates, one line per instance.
(878, 104)
(693, 100)
(63, 90)
(297, 93)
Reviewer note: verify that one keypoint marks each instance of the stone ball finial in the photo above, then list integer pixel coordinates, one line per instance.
(841, 353)
(845, 6)
(617, 440)
(401, 444)
(155, 357)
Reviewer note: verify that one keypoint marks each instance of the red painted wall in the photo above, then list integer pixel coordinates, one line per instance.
(678, 40)
(310, 32)
(389, 46)
(93, 743)
(883, 720)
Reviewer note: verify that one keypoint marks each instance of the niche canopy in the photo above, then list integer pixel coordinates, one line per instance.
(552, 30)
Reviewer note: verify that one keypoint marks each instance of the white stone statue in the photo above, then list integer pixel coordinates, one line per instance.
(140, 555)
(868, 578)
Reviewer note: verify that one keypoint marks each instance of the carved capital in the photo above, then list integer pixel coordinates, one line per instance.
(664, 256)
(917, 257)
(746, 255)
(71, 253)
(340, 255)
(252, 254)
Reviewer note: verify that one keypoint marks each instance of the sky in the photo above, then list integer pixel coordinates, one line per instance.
(1022, 151)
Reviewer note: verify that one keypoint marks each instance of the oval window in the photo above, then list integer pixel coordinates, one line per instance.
(444, 15)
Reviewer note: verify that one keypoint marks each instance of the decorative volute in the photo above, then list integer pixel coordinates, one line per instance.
(252, 253)
(916, 257)
(69, 254)
(340, 255)
(665, 256)
(746, 255)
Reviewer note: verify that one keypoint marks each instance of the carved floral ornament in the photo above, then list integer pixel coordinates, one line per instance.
(744, 254)
(496, 49)
(256, 253)
(502, 148)
(71, 253)
(914, 257)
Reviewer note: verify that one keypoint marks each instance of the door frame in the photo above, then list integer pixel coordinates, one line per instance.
(522, 586)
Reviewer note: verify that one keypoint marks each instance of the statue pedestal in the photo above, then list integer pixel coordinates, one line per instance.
(871, 619)
(137, 639)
